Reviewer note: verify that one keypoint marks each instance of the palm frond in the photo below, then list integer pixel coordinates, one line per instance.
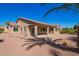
(66, 6)
(51, 10)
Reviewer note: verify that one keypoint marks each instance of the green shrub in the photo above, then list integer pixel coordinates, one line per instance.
(67, 31)
(1, 30)
(65, 44)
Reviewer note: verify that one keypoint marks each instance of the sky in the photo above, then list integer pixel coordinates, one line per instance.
(34, 11)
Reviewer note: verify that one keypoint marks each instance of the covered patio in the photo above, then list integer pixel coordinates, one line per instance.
(34, 30)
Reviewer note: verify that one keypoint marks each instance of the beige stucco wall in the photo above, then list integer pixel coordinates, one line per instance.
(10, 29)
(5, 30)
(22, 24)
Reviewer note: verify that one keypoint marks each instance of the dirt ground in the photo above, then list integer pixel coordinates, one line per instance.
(12, 46)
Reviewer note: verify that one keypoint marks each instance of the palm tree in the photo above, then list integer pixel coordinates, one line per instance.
(76, 27)
(66, 6)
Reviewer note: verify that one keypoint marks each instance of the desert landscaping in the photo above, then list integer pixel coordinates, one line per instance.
(12, 44)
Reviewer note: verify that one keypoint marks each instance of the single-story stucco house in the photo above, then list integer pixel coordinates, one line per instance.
(32, 28)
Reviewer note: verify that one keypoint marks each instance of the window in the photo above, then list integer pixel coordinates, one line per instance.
(15, 29)
(52, 29)
(43, 29)
(32, 30)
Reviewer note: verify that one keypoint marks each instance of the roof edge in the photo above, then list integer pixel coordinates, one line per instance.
(20, 18)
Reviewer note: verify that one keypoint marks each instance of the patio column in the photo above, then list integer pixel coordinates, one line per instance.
(54, 29)
(47, 30)
(28, 30)
(35, 30)
(57, 28)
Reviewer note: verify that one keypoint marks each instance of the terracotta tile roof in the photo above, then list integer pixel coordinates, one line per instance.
(37, 22)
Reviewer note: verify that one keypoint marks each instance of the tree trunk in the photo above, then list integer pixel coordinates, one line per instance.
(78, 38)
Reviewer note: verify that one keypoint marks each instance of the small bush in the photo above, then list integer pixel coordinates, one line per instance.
(65, 44)
(1, 30)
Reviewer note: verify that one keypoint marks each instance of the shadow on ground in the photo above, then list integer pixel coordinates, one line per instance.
(1, 40)
(42, 41)
(65, 48)
(75, 39)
